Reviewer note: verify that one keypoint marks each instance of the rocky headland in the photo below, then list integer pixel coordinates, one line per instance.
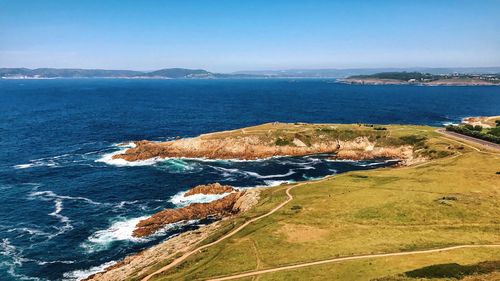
(278, 139)
(355, 142)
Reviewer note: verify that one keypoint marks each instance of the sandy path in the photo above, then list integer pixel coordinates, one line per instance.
(295, 266)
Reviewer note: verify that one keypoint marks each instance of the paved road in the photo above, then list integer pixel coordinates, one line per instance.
(484, 143)
(258, 272)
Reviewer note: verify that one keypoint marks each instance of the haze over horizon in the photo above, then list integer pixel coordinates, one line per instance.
(227, 36)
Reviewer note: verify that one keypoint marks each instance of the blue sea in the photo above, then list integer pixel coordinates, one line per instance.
(67, 210)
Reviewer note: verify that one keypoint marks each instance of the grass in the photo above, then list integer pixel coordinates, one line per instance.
(386, 269)
(364, 212)
(284, 134)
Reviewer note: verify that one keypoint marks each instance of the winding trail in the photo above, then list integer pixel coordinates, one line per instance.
(295, 266)
(182, 258)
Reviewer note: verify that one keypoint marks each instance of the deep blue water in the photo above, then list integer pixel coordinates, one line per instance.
(64, 209)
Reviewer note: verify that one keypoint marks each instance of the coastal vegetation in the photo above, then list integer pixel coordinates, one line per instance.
(491, 131)
(451, 199)
(343, 141)
(422, 78)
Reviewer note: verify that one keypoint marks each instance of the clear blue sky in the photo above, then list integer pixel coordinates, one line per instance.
(233, 35)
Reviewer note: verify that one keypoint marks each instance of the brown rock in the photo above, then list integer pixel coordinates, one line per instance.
(219, 208)
(213, 188)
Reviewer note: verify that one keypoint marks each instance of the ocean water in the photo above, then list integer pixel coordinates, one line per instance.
(67, 210)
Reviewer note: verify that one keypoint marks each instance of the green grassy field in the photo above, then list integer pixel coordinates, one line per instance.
(451, 200)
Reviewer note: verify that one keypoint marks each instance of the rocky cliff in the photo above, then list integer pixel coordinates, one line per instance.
(195, 211)
(356, 142)
(213, 188)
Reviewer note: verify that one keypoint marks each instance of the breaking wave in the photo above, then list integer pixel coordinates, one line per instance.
(277, 182)
(118, 231)
(84, 273)
(180, 201)
(259, 176)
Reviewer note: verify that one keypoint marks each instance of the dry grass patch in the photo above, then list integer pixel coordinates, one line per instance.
(297, 233)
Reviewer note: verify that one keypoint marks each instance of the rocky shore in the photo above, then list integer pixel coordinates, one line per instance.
(268, 140)
(196, 211)
(213, 188)
(136, 265)
(236, 201)
(272, 141)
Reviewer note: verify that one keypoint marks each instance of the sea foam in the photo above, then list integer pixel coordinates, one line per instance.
(84, 273)
(118, 231)
(108, 157)
(180, 201)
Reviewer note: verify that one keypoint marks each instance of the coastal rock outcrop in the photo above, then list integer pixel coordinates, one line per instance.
(248, 148)
(213, 188)
(195, 211)
(355, 142)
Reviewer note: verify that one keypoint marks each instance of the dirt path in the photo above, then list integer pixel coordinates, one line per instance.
(182, 258)
(258, 272)
(483, 143)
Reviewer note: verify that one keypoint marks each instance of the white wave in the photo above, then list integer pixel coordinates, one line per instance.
(305, 167)
(84, 273)
(123, 203)
(227, 172)
(15, 259)
(259, 176)
(49, 193)
(35, 163)
(43, 162)
(63, 219)
(364, 164)
(451, 123)
(30, 231)
(122, 230)
(54, 262)
(181, 201)
(58, 208)
(340, 160)
(108, 157)
(277, 182)
(118, 231)
(313, 178)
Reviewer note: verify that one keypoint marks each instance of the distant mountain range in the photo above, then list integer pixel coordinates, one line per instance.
(184, 73)
(168, 73)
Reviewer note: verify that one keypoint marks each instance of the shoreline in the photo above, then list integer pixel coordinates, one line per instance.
(185, 241)
(444, 82)
(135, 264)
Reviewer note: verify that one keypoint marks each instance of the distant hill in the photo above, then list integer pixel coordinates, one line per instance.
(421, 78)
(180, 73)
(185, 73)
(171, 73)
(343, 73)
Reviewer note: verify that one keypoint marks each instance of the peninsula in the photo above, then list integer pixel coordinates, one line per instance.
(437, 206)
(424, 79)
